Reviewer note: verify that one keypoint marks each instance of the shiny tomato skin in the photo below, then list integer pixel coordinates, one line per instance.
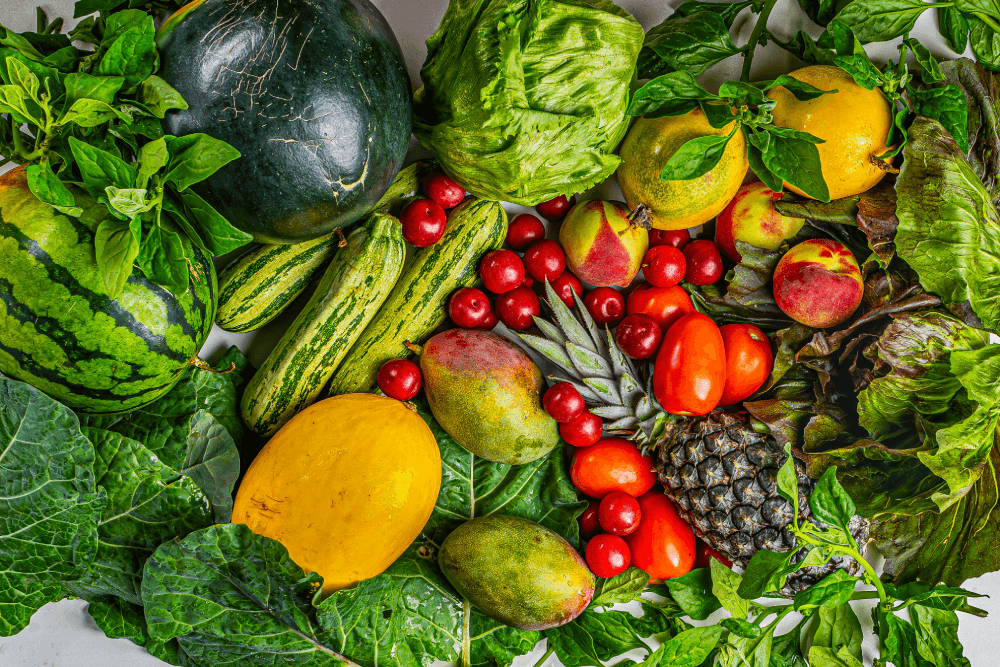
(666, 305)
(749, 360)
(663, 545)
(611, 464)
(689, 375)
(704, 554)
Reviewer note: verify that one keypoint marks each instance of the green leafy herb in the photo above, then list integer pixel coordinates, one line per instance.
(690, 42)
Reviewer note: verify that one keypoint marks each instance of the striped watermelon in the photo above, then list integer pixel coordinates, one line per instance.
(62, 333)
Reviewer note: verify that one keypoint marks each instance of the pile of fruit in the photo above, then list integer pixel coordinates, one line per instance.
(478, 434)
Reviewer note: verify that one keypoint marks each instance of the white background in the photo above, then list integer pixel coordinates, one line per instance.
(63, 635)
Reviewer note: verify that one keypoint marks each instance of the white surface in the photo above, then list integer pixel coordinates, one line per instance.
(63, 634)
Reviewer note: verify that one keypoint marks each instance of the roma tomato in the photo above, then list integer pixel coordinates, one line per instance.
(689, 375)
(611, 464)
(666, 305)
(663, 544)
(704, 554)
(748, 361)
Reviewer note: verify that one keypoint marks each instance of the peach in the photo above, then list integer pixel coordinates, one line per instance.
(603, 245)
(818, 283)
(751, 217)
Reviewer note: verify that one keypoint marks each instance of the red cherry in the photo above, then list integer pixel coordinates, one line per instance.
(528, 282)
(423, 222)
(545, 259)
(607, 556)
(677, 238)
(619, 513)
(554, 209)
(606, 305)
(517, 307)
(469, 308)
(704, 262)
(563, 402)
(399, 379)
(589, 523)
(664, 265)
(639, 336)
(583, 430)
(524, 230)
(564, 287)
(704, 553)
(446, 192)
(491, 320)
(501, 271)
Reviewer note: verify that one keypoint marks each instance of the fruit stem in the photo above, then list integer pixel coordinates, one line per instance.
(202, 365)
(341, 241)
(758, 31)
(466, 639)
(415, 349)
(638, 218)
(545, 656)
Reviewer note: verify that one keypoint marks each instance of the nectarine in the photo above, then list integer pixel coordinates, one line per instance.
(751, 217)
(818, 283)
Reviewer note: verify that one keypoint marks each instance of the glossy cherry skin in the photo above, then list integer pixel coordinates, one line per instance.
(583, 430)
(663, 544)
(563, 402)
(704, 262)
(749, 360)
(666, 305)
(638, 336)
(517, 308)
(677, 238)
(689, 374)
(607, 555)
(606, 306)
(469, 308)
(619, 513)
(543, 259)
(611, 464)
(423, 222)
(704, 554)
(524, 230)
(443, 190)
(501, 271)
(565, 285)
(554, 209)
(664, 266)
(590, 524)
(400, 379)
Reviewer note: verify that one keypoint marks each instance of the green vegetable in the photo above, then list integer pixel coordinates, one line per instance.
(692, 41)
(417, 304)
(523, 102)
(355, 285)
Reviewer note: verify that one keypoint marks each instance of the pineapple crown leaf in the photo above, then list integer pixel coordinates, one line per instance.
(550, 330)
(586, 392)
(551, 350)
(570, 326)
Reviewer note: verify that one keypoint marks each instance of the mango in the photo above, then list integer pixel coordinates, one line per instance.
(485, 391)
(517, 572)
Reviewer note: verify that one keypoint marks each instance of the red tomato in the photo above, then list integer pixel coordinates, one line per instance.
(690, 370)
(748, 361)
(663, 544)
(666, 305)
(705, 553)
(612, 464)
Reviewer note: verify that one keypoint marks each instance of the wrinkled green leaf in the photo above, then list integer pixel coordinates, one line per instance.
(982, 92)
(839, 629)
(118, 618)
(691, 43)
(693, 593)
(948, 106)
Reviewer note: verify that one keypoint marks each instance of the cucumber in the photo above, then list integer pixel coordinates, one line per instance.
(354, 286)
(418, 303)
(256, 286)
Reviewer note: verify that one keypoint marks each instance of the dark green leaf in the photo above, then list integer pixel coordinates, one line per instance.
(830, 503)
(718, 115)
(152, 157)
(725, 583)
(213, 462)
(696, 157)
(131, 54)
(690, 648)
(862, 70)
(727, 10)
(822, 11)
(948, 105)
(832, 591)
(218, 235)
(930, 70)
(118, 618)
(626, 587)
(796, 161)
(163, 259)
(100, 168)
(87, 86)
(49, 189)
(755, 156)
(691, 43)
(937, 636)
(805, 48)
(594, 638)
(841, 38)
(765, 572)
(954, 27)
(117, 245)
(788, 483)
(671, 94)
(693, 592)
(982, 92)
(800, 90)
(195, 157)
(838, 629)
(985, 43)
(160, 97)
(842, 211)
(49, 501)
(881, 20)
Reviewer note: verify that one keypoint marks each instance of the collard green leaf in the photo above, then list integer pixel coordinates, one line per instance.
(881, 20)
(118, 618)
(213, 462)
(839, 629)
(949, 230)
(48, 498)
(693, 593)
(225, 593)
(691, 43)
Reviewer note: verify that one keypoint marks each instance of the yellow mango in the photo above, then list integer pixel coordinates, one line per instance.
(345, 486)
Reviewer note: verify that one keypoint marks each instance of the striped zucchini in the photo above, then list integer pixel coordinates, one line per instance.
(256, 286)
(357, 282)
(418, 303)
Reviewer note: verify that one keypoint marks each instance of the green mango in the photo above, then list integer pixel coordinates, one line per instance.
(485, 391)
(517, 572)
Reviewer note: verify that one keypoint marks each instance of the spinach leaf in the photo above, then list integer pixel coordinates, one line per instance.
(833, 590)
(131, 53)
(725, 584)
(160, 97)
(824, 657)
(727, 10)
(985, 43)
(48, 498)
(626, 587)
(690, 43)
(954, 27)
(696, 157)
(881, 20)
(693, 592)
(689, 648)
(195, 157)
(839, 629)
(822, 11)
(937, 636)
(593, 638)
(949, 230)
(116, 243)
(49, 189)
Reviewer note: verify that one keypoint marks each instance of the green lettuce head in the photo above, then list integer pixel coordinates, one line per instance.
(524, 100)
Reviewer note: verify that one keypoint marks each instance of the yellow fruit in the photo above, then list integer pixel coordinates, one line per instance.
(345, 486)
(854, 123)
(678, 204)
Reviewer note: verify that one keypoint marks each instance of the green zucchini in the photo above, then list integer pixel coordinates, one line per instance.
(354, 286)
(418, 303)
(256, 286)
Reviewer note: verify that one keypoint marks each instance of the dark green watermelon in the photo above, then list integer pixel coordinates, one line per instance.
(62, 333)
(315, 96)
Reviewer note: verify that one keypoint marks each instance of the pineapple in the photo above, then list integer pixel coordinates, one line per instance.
(719, 472)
